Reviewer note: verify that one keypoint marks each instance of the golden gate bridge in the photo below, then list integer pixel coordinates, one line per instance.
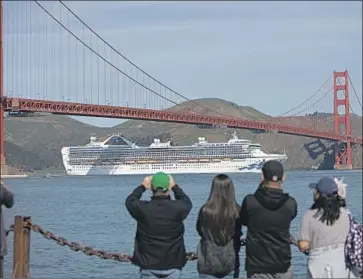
(52, 61)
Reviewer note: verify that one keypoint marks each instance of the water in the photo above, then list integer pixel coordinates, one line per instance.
(91, 210)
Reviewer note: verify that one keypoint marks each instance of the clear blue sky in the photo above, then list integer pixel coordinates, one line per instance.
(268, 55)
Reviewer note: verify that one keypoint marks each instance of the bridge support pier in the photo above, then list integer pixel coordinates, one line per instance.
(343, 156)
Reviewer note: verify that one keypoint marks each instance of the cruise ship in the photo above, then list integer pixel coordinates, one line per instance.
(118, 155)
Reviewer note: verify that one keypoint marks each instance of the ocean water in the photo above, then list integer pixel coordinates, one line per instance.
(91, 211)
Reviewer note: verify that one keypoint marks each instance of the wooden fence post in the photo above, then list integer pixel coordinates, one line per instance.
(21, 248)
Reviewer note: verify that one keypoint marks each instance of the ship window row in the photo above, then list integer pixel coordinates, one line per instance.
(159, 150)
(164, 153)
(148, 159)
(123, 146)
(119, 162)
(170, 167)
(152, 153)
(152, 160)
(160, 156)
(164, 158)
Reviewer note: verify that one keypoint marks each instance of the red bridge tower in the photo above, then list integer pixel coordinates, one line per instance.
(343, 153)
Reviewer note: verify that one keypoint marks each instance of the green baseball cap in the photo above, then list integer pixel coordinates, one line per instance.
(160, 181)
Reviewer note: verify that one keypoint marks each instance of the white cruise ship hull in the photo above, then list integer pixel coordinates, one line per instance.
(119, 156)
(245, 166)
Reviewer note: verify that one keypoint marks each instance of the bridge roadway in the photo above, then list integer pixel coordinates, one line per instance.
(68, 108)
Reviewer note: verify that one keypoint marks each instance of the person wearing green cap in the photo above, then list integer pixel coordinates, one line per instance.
(159, 242)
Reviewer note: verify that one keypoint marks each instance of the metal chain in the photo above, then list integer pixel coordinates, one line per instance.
(11, 229)
(89, 251)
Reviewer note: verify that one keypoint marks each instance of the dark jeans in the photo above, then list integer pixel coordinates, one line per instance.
(1, 267)
(151, 273)
(230, 275)
(284, 275)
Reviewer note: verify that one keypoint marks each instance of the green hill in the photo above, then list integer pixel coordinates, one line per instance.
(44, 136)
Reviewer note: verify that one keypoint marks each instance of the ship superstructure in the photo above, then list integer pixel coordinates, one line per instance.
(118, 155)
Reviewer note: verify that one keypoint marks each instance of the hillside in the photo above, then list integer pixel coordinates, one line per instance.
(43, 137)
(34, 143)
(296, 147)
(145, 131)
(28, 160)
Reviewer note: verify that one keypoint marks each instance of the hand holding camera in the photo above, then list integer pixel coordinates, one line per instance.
(147, 182)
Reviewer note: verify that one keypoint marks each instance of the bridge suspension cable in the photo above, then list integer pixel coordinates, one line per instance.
(313, 104)
(100, 56)
(308, 99)
(355, 92)
(126, 70)
(137, 67)
(117, 68)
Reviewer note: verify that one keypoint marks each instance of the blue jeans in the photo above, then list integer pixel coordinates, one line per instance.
(230, 275)
(169, 273)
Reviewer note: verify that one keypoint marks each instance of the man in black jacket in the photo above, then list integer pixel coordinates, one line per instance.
(159, 241)
(267, 214)
(7, 199)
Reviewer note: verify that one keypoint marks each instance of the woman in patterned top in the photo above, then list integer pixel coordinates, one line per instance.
(324, 230)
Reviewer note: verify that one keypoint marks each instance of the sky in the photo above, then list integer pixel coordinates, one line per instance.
(268, 55)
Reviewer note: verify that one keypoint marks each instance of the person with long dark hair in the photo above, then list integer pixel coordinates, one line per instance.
(219, 229)
(324, 230)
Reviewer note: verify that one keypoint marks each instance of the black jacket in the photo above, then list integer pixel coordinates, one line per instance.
(268, 214)
(7, 199)
(159, 240)
(218, 258)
